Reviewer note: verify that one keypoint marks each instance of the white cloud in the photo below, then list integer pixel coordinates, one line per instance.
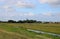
(2, 0)
(57, 14)
(51, 14)
(18, 3)
(51, 2)
(14, 14)
(24, 4)
(8, 5)
(47, 14)
(42, 1)
(7, 8)
(29, 14)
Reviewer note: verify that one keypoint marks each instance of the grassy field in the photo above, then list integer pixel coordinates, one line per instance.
(19, 30)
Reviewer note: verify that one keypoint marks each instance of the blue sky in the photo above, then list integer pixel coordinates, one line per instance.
(43, 10)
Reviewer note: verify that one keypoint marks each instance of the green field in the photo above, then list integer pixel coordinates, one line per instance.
(19, 30)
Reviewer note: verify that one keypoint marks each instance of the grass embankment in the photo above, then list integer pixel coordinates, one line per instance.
(21, 32)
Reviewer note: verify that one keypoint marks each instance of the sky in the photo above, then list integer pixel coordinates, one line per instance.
(42, 10)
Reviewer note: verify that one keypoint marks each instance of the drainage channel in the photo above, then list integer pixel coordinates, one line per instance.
(37, 31)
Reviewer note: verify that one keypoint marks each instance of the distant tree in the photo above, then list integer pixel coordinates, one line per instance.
(39, 21)
(11, 21)
(3, 21)
(20, 21)
(31, 21)
(0, 21)
(57, 22)
(46, 22)
(26, 21)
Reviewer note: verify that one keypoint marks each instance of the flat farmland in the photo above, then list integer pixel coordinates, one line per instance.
(55, 28)
(20, 29)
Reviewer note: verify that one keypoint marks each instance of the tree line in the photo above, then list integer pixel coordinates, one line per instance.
(27, 21)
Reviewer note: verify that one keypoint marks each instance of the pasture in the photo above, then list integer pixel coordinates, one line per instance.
(19, 30)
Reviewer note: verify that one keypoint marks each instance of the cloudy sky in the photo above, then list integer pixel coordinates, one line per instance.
(43, 10)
